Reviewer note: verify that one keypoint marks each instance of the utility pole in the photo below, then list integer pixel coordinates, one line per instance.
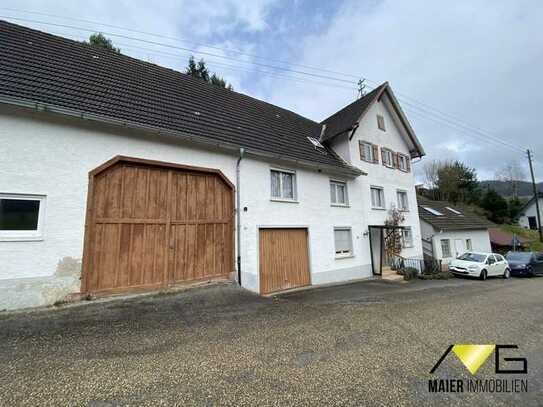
(361, 88)
(536, 196)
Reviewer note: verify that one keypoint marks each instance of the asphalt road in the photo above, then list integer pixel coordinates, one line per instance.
(370, 343)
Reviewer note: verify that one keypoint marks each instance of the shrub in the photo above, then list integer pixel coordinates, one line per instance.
(444, 275)
(410, 273)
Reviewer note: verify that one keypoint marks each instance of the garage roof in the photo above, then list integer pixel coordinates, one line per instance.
(444, 215)
(40, 68)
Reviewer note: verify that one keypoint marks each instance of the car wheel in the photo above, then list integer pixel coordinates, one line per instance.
(506, 273)
(483, 275)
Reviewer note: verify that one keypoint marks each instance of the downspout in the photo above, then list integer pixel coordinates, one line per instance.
(238, 213)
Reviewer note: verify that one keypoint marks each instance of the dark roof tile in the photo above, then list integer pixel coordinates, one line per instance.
(43, 68)
(450, 220)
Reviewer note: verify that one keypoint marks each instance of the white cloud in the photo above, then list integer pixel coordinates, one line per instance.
(478, 60)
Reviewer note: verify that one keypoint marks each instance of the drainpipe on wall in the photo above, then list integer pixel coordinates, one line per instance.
(238, 213)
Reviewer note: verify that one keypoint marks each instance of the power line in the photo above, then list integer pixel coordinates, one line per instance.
(447, 117)
(231, 50)
(177, 47)
(432, 113)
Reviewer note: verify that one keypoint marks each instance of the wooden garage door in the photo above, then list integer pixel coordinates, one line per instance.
(284, 259)
(154, 224)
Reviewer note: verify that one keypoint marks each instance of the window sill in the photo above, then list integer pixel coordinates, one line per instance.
(21, 238)
(340, 205)
(284, 200)
(344, 256)
(378, 208)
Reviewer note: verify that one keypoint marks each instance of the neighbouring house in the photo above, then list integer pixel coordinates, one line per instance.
(528, 214)
(448, 230)
(502, 241)
(119, 175)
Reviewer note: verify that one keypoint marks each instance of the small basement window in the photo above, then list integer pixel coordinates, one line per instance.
(343, 242)
(21, 217)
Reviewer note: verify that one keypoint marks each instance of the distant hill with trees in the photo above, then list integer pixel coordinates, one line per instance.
(504, 189)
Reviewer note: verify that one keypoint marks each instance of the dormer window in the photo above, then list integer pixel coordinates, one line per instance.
(381, 122)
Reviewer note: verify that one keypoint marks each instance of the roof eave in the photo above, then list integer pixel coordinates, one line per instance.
(45, 107)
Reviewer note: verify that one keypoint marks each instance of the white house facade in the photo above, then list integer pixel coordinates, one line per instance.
(448, 231)
(528, 216)
(94, 203)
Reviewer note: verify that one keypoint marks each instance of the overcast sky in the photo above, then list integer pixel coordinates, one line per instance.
(478, 61)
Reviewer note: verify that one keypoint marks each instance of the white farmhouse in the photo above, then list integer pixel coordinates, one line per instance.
(528, 215)
(118, 175)
(449, 230)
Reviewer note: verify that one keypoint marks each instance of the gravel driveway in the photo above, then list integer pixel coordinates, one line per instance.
(370, 343)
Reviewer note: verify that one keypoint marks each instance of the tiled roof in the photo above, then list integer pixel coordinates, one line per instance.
(348, 117)
(449, 220)
(62, 73)
(503, 238)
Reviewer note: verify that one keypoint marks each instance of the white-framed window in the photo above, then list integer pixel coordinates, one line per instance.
(381, 122)
(338, 193)
(377, 197)
(343, 240)
(469, 246)
(387, 157)
(407, 237)
(445, 248)
(283, 185)
(403, 163)
(403, 203)
(21, 217)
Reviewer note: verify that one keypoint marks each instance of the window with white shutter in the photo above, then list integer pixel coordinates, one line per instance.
(343, 242)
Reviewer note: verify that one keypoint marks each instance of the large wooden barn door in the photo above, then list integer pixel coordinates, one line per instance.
(153, 224)
(284, 259)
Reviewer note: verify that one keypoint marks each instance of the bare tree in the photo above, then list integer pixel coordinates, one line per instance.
(512, 174)
(431, 175)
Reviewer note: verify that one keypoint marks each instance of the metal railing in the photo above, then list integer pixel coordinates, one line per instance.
(423, 266)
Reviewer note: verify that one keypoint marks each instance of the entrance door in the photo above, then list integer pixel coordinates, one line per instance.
(152, 224)
(459, 247)
(532, 222)
(284, 259)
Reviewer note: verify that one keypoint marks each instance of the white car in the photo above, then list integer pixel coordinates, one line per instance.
(480, 265)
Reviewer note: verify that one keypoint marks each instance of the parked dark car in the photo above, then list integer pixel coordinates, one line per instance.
(525, 263)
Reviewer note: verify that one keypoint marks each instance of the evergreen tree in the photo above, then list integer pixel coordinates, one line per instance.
(496, 207)
(99, 40)
(199, 70)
